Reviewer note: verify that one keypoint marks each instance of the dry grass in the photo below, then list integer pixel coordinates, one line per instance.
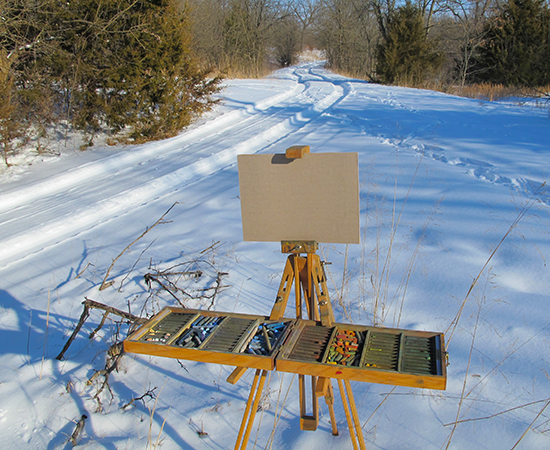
(481, 91)
(242, 71)
(492, 92)
(379, 281)
(150, 444)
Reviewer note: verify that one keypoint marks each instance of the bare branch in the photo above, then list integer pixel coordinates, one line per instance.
(88, 304)
(105, 284)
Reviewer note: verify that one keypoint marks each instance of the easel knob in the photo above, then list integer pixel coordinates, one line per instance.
(299, 247)
(296, 151)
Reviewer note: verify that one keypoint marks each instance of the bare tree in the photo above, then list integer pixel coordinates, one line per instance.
(235, 35)
(207, 23)
(348, 32)
(286, 38)
(469, 19)
(306, 12)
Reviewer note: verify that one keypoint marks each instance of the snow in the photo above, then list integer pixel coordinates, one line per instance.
(443, 180)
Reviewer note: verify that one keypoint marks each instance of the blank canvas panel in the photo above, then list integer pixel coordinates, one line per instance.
(315, 197)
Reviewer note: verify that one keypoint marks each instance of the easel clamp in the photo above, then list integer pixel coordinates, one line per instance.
(299, 246)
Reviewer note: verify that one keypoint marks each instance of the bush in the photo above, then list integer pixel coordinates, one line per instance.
(406, 56)
(120, 64)
(516, 49)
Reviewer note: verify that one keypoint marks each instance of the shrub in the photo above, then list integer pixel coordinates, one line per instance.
(407, 55)
(120, 64)
(516, 49)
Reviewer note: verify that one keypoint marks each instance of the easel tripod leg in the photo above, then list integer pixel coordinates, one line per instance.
(355, 431)
(251, 408)
(308, 422)
(355, 416)
(329, 398)
(324, 389)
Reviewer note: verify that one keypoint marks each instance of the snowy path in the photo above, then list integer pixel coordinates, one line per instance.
(111, 186)
(97, 191)
(449, 174)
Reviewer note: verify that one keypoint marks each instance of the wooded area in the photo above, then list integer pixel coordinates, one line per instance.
(151, 66)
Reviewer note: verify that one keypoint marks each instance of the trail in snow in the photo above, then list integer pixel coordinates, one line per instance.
(116, 184)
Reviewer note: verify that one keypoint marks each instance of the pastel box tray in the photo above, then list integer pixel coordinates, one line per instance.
(370, 354)
(222, 338)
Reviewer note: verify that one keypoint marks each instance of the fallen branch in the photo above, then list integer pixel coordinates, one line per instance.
(89, 304)
(165, 280)
(83, 270)
(81, 321)
(114, 355)
(150, 393)
(105, 284)
(210, 248)
(78, 430)
(171, 287)
(217, 288)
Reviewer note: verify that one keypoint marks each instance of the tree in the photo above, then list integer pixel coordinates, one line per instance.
(236, 35)
(286, 41)
(306, 13)
(245, 34)
(407, 55)
(119, 64)
(516, 49)
(128, 63)
(348, 33)
(466, 31)
(207, 20)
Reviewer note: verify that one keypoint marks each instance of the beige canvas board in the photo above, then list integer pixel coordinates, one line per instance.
(315, 197)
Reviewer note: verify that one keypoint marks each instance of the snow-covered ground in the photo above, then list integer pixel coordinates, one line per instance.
(443, 180)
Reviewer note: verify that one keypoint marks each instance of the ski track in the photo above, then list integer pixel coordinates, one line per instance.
(178, 162)
(92, 194)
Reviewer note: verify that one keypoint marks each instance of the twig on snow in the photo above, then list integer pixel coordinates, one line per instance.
(89, 304)
(150, 393)
(105, 284)
(78, 430)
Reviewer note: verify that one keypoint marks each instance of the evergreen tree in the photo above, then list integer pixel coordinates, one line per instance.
(122, 63)
(406, 55)
(516, 50)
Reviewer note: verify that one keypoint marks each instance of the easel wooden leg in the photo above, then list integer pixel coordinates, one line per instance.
(320, 283)
(308, 422)
(308, 274)
(284, 291)
(251, 408)
(237, 373)
(355, 431)
(324, 389)
(355, 416)
(329, 398)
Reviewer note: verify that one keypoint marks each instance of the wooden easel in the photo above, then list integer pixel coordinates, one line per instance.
(307, 275)
(315, 346)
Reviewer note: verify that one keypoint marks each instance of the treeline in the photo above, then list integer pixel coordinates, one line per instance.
(412, 42)
(149, 67)
(429, 42)
(251, 37)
